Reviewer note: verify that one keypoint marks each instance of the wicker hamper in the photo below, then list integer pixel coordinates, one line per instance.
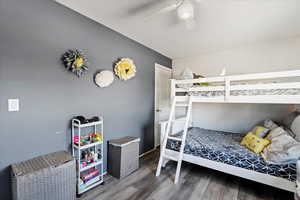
(123, 156)
(48, 177)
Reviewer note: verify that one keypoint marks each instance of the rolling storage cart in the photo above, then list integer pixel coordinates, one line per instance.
(88, 152)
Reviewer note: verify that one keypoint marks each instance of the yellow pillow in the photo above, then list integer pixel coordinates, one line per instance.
(260, 131)
(254, 143)
(196, 76)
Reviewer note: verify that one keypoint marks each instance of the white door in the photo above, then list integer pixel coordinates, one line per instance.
(162, 98)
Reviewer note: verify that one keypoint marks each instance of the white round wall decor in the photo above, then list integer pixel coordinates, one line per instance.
(104, 78)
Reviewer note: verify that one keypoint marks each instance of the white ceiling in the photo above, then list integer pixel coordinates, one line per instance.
(220, 24)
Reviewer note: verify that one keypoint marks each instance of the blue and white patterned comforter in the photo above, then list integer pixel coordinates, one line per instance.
(225, 147)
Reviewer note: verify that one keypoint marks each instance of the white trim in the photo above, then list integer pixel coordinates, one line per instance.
(163, 67)
(160, 67)
(147, 152)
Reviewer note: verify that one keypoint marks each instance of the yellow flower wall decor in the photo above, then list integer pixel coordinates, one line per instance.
(125, 69)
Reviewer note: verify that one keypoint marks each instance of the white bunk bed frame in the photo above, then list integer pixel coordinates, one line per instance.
(227, 80)
(167, 131)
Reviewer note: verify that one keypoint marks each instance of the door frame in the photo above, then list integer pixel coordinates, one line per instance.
(156, 68)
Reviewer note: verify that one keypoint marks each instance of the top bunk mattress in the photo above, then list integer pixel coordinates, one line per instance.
(255, 92)
(225, 147)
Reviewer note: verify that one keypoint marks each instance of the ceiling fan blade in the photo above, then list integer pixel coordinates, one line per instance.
(166, 9)
(142, 7)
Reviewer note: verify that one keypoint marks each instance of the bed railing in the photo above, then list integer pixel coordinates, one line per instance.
(228, 84)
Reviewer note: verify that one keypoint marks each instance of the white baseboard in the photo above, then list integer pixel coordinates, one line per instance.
(150, 151)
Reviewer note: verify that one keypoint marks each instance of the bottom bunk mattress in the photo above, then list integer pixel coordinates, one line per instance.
(225, 147)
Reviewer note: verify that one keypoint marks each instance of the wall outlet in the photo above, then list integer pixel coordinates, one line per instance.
(13, 105)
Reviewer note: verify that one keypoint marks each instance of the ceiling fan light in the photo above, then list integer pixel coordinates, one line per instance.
(186, 10)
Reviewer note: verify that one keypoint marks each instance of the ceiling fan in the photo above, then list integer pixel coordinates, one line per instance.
(185, 10)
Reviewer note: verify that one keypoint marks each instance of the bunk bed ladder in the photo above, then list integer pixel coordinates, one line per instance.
(182, 139)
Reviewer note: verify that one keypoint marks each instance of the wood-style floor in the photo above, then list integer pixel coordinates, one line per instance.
(196, 183)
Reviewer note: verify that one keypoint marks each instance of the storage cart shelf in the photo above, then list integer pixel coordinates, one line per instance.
(92, 153)
(88, 145)
(93, 183)
(87, 124)
(91, 165)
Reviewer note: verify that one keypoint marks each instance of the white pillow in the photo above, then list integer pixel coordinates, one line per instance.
(275, 133)
(282, 149)
(295, 128)
(187, 73)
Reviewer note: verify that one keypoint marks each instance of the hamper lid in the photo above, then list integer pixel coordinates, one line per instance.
(124, 141)
(41, 162)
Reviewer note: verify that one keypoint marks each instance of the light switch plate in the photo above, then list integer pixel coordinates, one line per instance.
(13, 105)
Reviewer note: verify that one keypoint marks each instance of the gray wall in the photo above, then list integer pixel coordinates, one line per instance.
(33, 36)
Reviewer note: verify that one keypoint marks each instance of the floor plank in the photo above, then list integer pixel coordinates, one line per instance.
(203, 182)
(231, 188)
(196, 183)
(216, 187)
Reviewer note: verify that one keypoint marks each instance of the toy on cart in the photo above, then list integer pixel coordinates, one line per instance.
(89, 157)
(87, 139)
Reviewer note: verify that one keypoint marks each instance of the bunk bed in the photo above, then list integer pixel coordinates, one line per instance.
(203, 147)
(271, 88)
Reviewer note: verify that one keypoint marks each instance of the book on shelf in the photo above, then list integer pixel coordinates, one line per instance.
(89, 174)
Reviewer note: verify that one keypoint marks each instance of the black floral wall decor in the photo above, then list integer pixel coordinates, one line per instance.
(75, 61)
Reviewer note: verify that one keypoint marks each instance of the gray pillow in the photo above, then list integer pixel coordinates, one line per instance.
(270, 124)
(288, 120)
(295, 128)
